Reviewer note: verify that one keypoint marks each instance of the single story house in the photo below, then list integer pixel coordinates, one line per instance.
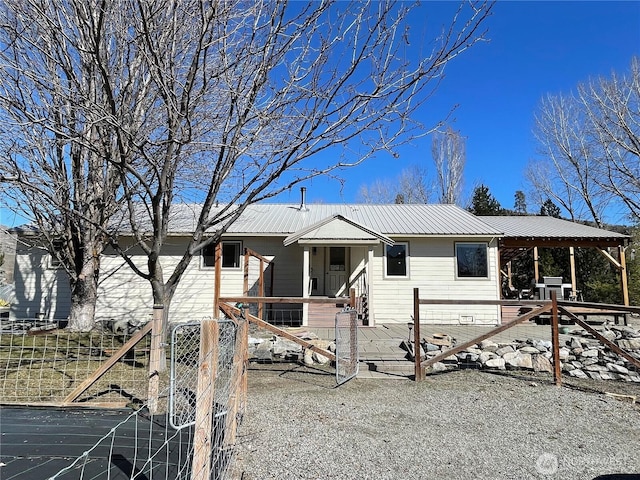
(382, 252)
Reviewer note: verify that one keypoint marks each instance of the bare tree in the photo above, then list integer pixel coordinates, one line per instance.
(229, 103)
(57, 106)
(612, 108)
(380, 191)
(568, 173)
(590, 142)
(412, 186)
(259, 93)
(449, 156)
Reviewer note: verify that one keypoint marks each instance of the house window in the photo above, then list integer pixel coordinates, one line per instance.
(396, 260)
(54, 261)
(472, 260)
(230, 255)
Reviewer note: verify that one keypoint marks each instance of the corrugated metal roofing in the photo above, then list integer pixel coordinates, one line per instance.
(285, 219)
(529, 226)
(337, 227)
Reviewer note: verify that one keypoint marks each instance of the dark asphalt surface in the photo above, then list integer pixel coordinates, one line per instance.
(36, 443)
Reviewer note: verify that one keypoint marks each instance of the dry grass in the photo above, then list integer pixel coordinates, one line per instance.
(47, 367)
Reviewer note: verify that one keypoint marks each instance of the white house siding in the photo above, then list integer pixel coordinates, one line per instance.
(123, 295)
(432, 269)
(38, 287)
(287, 274)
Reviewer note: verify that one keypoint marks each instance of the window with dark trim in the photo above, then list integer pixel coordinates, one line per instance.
(472, 260)
(54, 261)
(396, 260)
(230, 255)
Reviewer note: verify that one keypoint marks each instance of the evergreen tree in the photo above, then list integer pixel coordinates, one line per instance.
(550, 209)
(520, 205)
(483, 203)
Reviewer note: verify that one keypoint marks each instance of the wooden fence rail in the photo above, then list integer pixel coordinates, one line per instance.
(554, 306)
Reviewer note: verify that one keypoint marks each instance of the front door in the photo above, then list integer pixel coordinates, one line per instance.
(337, 268)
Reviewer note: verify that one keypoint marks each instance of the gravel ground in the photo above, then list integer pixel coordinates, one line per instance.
(459, 425)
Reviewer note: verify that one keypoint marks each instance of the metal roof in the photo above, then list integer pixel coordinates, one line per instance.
(285, 219)
(337, 228)
(530, 226)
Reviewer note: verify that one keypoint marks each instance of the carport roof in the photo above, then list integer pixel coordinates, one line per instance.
(529, 230)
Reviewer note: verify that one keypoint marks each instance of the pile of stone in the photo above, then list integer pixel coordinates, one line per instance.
(266, 348)
(582, 356)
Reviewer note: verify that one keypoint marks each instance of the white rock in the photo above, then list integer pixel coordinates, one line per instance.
(542, 345)
(527, 349)
(634, 377)
(589, 353)
(541, 363)
(596, 367)
(308, 357)
(486, 356)
(521, 360)
(319, 358)
(575, 343)
(594, 375)
(438, 367)
(629, 344)
(510, 356)
(506, 349)
(488, 346)
(564, 353)
(578, 373)
(617, 368)
(496, 363)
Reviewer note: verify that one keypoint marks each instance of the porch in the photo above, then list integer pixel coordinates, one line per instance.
(307, 312)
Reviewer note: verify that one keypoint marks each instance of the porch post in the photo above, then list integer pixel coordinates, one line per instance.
(536, 265)
(370, 299)
(623, 275)
(305, 285)
(572, 263)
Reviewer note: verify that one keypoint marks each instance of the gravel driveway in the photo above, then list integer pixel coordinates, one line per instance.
(459, 425)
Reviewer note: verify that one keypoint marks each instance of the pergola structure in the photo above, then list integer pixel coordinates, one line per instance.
(529, 233)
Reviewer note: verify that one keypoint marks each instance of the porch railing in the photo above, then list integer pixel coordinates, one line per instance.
(359, 285)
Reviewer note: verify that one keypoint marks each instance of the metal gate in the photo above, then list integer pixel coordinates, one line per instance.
(185, 360)
(347, 361)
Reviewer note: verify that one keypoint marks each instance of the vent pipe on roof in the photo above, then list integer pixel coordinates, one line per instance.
(303, 199)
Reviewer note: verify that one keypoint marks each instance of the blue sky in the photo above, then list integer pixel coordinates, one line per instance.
(535, 48)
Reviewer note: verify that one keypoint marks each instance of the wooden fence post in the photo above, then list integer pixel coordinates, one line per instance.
(157, 358)
(208, 365)
(419, 369)
(236, 397)
(218, 280)
(555, 339)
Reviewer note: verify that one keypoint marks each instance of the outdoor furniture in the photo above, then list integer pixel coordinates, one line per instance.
(553, 284)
